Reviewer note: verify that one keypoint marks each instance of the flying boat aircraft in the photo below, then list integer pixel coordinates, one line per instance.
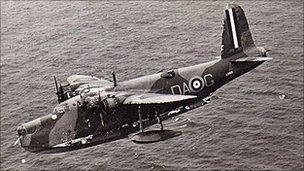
(93, 110)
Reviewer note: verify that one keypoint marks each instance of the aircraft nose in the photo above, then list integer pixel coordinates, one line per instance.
(25, 132)
(29, 127)
(35, 133)
(21, 130)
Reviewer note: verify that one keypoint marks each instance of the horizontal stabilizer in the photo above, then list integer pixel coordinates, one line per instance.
(252, 59)
(153, 98)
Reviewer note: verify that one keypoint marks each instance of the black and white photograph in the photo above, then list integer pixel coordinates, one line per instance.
(152, 85)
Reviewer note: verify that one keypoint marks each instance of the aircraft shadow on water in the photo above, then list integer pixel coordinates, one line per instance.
(92, 110)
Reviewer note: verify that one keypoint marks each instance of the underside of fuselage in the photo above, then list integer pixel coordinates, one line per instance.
(130, 126)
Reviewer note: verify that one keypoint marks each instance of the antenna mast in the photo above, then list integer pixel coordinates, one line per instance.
(114, 79)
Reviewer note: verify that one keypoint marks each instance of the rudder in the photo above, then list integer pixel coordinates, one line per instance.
(236, 35)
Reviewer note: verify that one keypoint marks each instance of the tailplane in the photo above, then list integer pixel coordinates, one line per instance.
(236, 36)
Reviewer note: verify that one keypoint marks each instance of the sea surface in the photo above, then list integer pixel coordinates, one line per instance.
(255, 123)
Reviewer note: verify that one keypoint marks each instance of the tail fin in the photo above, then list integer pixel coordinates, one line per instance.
(236, 34)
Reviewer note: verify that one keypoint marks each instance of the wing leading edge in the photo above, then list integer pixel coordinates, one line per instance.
(85, 79)
(153, 98)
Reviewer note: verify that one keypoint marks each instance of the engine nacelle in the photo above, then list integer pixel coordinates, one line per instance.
(111, 102)
(108, 102)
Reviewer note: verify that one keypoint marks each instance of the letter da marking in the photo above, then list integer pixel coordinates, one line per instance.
(186, 88)
(195, 84)
(176, 87)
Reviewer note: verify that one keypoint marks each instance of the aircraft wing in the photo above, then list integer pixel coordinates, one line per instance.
(85, 79)
(252, 59)
(154, 98)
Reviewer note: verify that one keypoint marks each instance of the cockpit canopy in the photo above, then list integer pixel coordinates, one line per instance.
(168, 74)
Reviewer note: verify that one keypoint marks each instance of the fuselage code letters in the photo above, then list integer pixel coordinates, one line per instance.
(194, 85)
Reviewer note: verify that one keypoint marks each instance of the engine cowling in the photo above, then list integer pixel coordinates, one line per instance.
(108, 101)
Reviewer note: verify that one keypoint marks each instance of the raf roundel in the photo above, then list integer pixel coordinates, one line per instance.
(196, 84)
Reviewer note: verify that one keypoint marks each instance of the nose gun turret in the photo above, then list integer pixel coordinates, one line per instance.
(32, 126)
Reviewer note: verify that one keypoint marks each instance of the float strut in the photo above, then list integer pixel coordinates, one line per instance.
(159, 121)
(140, 120)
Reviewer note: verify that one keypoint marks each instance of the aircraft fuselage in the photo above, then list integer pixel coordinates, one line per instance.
(200, 80)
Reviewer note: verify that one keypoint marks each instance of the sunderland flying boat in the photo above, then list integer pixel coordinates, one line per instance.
(93, 110)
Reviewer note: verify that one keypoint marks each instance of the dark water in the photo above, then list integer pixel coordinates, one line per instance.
(250, 126)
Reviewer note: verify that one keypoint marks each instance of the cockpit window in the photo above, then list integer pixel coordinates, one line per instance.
(168, 74)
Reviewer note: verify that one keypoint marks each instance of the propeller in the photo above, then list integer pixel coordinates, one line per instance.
(101, 112)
